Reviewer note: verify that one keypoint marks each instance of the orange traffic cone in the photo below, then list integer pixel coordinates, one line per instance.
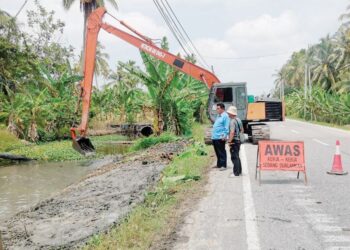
(337, 167)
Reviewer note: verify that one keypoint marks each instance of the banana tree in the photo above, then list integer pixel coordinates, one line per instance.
(12, 108)
(174, 96)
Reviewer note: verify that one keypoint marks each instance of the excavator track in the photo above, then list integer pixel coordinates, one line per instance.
(260, 131)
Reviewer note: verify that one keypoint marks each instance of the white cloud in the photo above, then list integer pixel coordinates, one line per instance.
(210, 47)
(218, 28)
(144, 24)
(263, 35)
(266, 34)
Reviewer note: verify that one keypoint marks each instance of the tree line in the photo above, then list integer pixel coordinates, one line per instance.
(326, 68)
(39, 84)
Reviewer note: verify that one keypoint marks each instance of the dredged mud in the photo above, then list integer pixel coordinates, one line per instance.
(91, 206)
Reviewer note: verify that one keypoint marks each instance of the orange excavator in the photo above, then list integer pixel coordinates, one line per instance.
(228, 93)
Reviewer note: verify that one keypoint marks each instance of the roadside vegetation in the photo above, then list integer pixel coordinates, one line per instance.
(8, 141)
(152, 140)
(158, 215)
(58, 150)
(39, 84)
(326, 98)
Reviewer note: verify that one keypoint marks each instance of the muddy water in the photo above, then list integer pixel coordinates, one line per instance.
(26, 184)
(23, 185)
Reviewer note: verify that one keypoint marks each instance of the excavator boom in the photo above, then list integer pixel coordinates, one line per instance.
(80, 142)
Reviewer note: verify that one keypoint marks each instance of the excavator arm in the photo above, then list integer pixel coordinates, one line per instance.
(80, 142)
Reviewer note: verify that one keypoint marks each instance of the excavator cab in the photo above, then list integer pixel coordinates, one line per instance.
(230, 94)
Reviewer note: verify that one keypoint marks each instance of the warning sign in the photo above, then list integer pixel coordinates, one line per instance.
(281, 156)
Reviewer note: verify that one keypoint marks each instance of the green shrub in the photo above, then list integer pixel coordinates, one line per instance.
(46, 136)
(8, 141)
(51, 151)
(153, 140)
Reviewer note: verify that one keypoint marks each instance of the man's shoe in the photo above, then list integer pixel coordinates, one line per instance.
(223, 168)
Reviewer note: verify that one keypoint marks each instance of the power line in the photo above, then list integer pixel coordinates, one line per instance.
(171, 20)
(176, 28)
(167, 21)
(19, 11)
(189, 39)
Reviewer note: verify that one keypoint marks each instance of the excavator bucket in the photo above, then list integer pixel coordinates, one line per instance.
(83, 145)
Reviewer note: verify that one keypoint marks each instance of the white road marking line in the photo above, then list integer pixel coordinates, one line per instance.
(249, 209)
(295, 132)
(313, 219)
(320, 142)
(336, 238)
(339, 248)
(327, 228)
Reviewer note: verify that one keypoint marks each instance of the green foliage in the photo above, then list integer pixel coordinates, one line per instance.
(153, 140)
(37, 92)
(328, 60)
(122, 96)
(8, 141)
(52, 151)
(189, 163)
(321, 105)
(174, 96)
(329, 64)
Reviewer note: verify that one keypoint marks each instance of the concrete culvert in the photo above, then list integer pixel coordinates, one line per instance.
(146, 131)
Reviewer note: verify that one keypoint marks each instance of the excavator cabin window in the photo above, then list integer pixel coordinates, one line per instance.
(223, 95)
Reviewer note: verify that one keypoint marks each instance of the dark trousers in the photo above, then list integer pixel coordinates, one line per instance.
(220, 151)
(234, 150)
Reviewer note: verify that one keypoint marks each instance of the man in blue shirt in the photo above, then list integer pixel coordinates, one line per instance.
(220, 134)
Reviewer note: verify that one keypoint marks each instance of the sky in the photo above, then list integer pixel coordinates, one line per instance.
(243, 40)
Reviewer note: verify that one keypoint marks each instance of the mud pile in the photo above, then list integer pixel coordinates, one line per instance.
(93, 205)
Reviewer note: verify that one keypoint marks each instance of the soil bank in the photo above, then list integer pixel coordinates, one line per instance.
(91, 206)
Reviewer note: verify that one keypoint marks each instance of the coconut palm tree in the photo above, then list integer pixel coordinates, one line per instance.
(87, 6)
(342, 48)
(126, 91)
(101, 66)
(8, 25)
(325, 59)
(295, 69)
(346, 17)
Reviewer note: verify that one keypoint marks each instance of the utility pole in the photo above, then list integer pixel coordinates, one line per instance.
(307, 82)
(309, 79)
(305, 89)
(282, 90)
(1, 247)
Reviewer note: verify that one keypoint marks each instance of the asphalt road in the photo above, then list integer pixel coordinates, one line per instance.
(283, 212)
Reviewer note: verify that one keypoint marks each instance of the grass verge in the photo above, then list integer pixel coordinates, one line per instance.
(153, 220)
